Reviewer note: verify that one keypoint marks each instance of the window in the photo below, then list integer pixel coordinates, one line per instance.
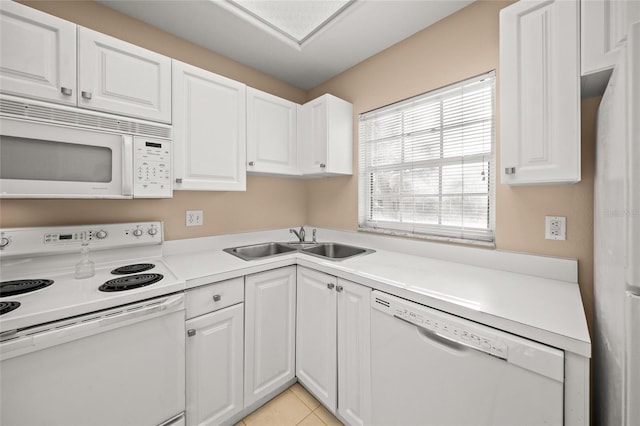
(427, 164)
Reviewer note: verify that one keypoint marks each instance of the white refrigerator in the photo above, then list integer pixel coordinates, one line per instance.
(617, 244)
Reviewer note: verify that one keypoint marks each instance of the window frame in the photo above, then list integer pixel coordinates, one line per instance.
(438, 232)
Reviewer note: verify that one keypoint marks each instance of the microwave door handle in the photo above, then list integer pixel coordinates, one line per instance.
(127, 166)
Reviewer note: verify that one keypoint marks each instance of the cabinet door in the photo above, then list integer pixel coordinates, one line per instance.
(121, 78)
(604, 25)
(271, 134)
(314, 136)
(270, 300)
(354, 349)
(209, 134)
(316, 335)
(214, 366)
(327, 136)
(540, 92)
(37, 54)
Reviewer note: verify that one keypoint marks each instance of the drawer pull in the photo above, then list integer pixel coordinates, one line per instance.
(191, 332)
(330, 286)
(86, 95)
(339, 288)
(66, 91)
(216, 297)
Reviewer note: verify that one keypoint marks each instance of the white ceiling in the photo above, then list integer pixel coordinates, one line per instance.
(362, 30)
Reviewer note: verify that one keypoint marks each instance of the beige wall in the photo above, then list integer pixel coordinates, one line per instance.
(458, 47)
(267, 203)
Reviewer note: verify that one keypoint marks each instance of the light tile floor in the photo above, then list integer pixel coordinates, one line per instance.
(295, 406)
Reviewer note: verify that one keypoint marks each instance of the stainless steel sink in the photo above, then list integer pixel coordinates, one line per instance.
(335, 251)
(330, 251)
(260, 251)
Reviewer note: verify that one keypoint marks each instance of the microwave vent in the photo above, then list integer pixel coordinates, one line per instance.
(70, 117)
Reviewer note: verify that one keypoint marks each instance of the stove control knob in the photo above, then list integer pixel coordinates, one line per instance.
(101, 234)
(137, 232)
(152, 231)
(4, 241)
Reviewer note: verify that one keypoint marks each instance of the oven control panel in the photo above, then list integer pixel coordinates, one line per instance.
(51, 240)
(152, 168)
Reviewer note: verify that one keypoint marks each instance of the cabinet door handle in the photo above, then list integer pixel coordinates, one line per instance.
(339, 288)
(509, 170)
(322, 165)
(330, 286)
(191, 332)
(179, 180)
(252, 163)
(86, 95)
(216, 297)
(66, 91)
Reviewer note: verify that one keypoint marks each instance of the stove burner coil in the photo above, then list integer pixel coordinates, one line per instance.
(133, 269)
(130, 282)
(6, 307)
(12, 288)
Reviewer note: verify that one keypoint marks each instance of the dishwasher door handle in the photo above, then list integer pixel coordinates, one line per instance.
(446, 340)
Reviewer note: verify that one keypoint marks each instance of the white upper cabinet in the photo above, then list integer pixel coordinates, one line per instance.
(209, 130)
(119, 77)
(37, 54)
(326, 132)
(272, 140)
(604, 26)
(540, 92)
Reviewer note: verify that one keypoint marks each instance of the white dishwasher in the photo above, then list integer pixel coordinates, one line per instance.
(433, 368)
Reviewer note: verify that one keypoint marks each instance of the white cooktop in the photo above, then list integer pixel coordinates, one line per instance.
(52, 253)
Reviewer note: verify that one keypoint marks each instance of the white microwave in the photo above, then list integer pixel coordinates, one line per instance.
(48, 159)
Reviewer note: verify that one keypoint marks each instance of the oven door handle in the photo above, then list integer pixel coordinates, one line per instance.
(142, 312)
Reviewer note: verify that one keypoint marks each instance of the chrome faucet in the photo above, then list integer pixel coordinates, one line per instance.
(300, 234)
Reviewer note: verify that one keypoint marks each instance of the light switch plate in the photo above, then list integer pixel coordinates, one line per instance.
(555, 227)
(193, 217)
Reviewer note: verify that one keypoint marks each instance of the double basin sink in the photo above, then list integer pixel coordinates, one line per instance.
(330, 251)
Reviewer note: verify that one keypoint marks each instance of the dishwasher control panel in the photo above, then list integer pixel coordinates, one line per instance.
(445, 326)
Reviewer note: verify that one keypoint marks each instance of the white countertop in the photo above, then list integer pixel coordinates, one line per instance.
(543, 309)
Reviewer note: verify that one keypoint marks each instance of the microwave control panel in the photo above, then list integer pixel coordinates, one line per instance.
(151, 168)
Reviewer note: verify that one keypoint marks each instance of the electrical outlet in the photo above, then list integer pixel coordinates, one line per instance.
(555, 227)
(194, 217)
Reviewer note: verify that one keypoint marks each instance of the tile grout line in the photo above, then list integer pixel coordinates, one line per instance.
(312, 414)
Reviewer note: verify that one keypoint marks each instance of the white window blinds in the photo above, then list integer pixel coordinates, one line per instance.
(427, 164)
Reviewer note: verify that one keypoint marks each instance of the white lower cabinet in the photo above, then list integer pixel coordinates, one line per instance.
(270, 315)
(333, 343)
(214, 352)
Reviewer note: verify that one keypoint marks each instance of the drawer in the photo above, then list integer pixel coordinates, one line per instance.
(214, 296)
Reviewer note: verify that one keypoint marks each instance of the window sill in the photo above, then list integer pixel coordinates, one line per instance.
(432, 238)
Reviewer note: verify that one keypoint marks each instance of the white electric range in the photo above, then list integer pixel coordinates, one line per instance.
(68, 344)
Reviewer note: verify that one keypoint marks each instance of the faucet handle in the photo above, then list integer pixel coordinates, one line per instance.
(314, 235)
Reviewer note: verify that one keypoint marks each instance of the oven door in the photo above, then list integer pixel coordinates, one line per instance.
(124, 366)
(39, 160)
